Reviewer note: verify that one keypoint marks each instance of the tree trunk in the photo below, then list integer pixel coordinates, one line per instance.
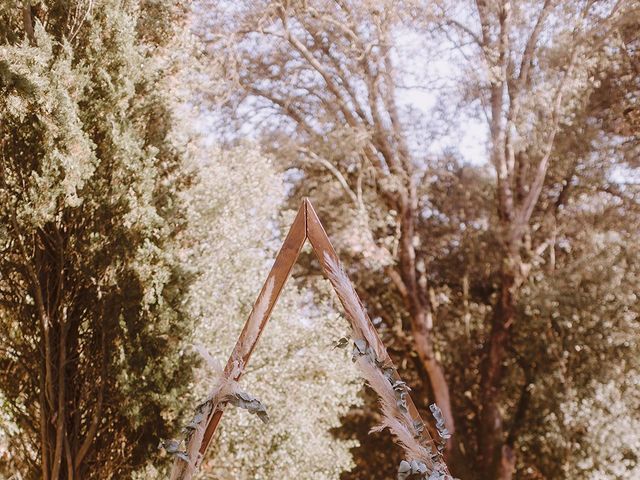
(44, 432)
(420, 314)
(507, 463)
(27, 18)
(46, 275)
(420, 328)
(497, 459)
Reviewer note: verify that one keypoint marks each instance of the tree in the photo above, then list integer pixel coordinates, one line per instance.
(574, 334)
(535, 79)
(325, 71)
(91, 325)
(479, 251)
(305, 384)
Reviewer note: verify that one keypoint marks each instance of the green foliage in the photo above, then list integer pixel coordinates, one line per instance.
(305, 384)
(91, 319)
(112, 251)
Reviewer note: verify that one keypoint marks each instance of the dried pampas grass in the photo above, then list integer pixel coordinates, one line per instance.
(399, 422)
(224, 387)
(343, 287)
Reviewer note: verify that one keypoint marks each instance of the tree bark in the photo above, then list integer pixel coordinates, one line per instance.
(27, 19)
(420, 313)
(507, 465)
(61, 411)
(44, 433)
(424, 348)
(497, 459)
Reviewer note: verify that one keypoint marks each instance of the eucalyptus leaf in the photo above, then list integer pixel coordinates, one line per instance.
(250, 403)
(341, 343)
(404, 470)
(195, 421)
(172, 447)
(183, 456)
(412, 469)
(440, 424)
(399, 385)
(389, 373)
(359, 348)
(418, 426)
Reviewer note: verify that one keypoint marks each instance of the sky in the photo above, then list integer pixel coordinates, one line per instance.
(429, 73)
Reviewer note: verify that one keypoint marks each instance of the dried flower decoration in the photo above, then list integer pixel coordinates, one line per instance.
(225, 391)
(408, 432)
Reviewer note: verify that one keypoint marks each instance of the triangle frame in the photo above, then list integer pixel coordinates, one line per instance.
(307, 226)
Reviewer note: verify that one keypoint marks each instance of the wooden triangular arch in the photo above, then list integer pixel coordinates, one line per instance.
(307, 226)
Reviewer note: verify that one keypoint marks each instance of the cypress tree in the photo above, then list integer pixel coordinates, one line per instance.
(91, 328)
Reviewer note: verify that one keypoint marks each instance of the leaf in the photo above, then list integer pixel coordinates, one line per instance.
(195, 421)
(388, 373)
(399, 385)
(172, 447)
(404, 470)
(418, 467)
(183, 456)
(341, 343)
(250, 403)
(359, 349)
(440, 425)
(402, 405)
(409, 469)
(418, 426)
(438, 473)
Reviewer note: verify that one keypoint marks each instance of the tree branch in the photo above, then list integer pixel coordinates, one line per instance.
(97, 412)
(27, 20)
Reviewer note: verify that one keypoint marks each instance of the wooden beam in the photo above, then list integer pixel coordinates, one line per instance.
(323, 249)
(273, 285)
